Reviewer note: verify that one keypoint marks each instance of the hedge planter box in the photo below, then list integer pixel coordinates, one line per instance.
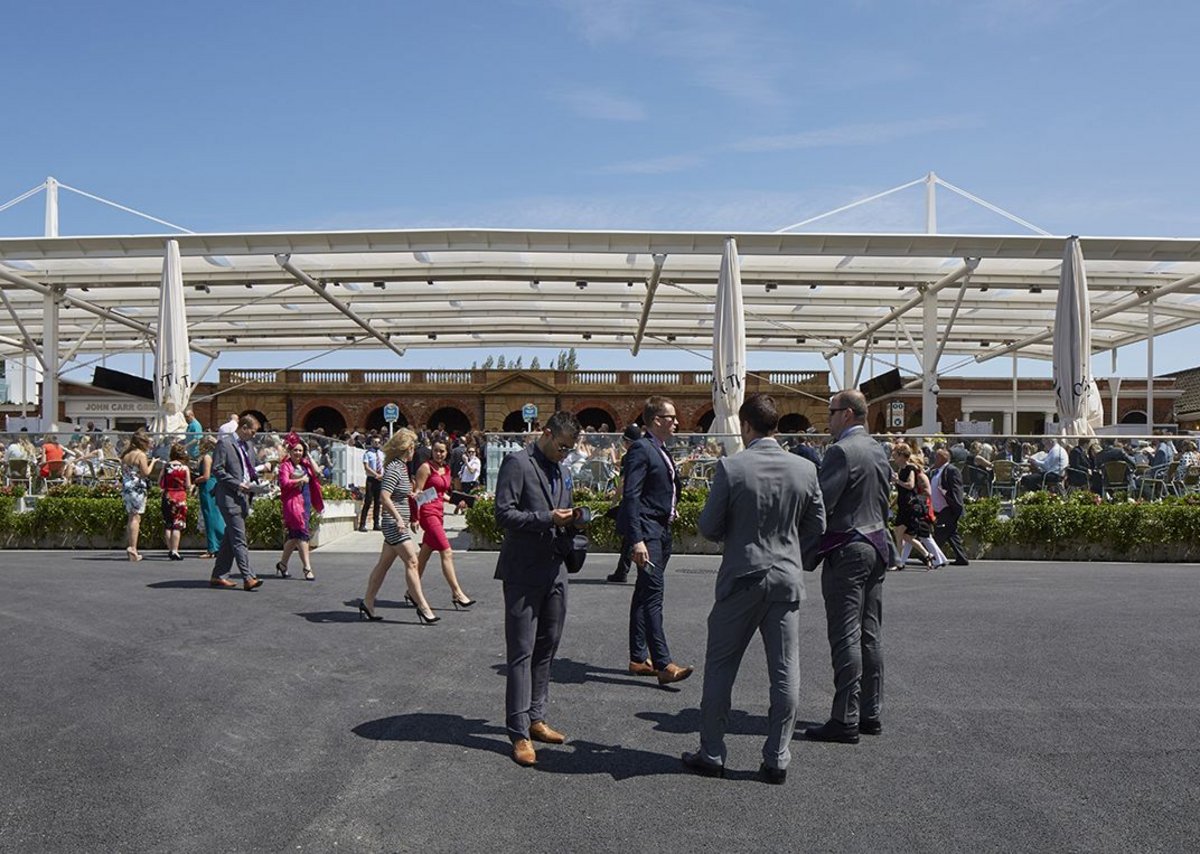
(338, 519)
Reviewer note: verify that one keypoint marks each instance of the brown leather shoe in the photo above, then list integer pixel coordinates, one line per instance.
(252, 584)
(642, 668)
(523, 753)
(673, 673)
(541, 731)
(221, 582)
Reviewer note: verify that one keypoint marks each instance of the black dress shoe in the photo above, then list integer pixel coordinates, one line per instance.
(832, 730)
(961, 563)
(697, 764)
(617, 577)
(870, 726)
(774, 776)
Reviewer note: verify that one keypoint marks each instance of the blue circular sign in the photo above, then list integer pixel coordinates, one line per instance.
(391, 412)
(529, 412)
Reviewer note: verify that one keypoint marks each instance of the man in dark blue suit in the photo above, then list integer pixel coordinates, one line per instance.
(533, 506)
(648, 499)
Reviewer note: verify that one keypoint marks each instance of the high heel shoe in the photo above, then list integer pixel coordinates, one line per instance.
(409, 601)
(309, 575)
(928, 561)
(281, 568)
(463, 605)
(427, 621)
(364, 611)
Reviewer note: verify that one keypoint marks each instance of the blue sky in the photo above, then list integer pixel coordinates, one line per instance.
(1078, 116)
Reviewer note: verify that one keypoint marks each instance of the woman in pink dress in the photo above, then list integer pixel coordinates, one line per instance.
(300, 495)
(176, 483)
(435, 475)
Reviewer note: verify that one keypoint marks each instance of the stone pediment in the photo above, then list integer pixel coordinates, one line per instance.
(519, 382)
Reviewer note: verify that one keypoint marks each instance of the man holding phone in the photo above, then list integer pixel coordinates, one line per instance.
(533, 507)
(648, 500)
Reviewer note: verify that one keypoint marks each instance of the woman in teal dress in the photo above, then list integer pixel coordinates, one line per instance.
(214, 525)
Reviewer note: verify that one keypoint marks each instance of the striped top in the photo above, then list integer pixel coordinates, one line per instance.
(397, 485)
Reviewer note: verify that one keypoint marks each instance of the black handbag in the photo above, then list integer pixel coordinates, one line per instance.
(573, 545)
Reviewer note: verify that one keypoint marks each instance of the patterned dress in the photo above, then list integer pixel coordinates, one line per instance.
(174, 496)
(133, 489)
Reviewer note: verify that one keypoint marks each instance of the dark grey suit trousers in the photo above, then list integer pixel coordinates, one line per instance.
(852, 586)
(233, 547)
(533, 625)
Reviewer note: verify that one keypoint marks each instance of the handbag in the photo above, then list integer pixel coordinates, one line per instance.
(573, 546)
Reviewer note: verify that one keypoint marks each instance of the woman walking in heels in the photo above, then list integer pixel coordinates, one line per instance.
(176, 483)
(429, 490)
(300, 494)
(214, 525)
(397, 536)
(135, 468)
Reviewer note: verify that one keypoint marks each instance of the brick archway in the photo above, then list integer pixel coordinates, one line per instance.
(373, 417)
(321, 403)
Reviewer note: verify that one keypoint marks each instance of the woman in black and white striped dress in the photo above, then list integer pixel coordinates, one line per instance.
(397, 536)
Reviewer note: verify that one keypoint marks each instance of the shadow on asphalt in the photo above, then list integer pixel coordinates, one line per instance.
(575, 757)
(568, 672)
(180, 584)
(687, 721)
(348, 616)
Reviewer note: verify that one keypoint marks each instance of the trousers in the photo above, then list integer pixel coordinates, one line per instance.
(647, 639)
(852, 587)
(533, 625)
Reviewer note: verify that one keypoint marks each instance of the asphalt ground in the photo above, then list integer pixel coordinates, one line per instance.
(1028, 707)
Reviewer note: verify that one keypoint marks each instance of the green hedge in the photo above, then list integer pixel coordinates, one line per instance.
(1067, 526)
(86, 517)
(481, 519)
(1077, 527)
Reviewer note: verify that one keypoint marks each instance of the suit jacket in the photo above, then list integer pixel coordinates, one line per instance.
(533, 547)
(765, 506)
(229, 473)
(952, 486)
(855, 484)
(648, 493)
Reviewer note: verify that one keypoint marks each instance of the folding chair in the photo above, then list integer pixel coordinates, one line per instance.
(1116, 479)
(18, 474)
(1004, 478)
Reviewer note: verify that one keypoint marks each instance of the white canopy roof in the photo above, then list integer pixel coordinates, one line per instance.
(478, 287)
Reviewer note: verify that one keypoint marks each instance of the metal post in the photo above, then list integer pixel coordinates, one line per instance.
(51, 208)
(50, 359)
(1014, 393)
(931, 203)
(929, 348)
(1114, 387)
(1150, 368)
(848, 368)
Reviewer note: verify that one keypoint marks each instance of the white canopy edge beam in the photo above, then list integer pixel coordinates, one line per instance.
(1154, 249)
(651, 288)
(84, 305)
(1179, 285)
(968, 265)
(33, 348)
(285, 262)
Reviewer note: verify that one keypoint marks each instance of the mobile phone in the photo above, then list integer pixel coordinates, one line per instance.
(583, 515)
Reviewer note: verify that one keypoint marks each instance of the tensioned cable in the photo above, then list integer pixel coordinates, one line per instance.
(22, 197)
(765, 379)
(121, 207)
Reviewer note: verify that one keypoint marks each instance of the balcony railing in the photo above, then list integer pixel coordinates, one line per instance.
(483, 376)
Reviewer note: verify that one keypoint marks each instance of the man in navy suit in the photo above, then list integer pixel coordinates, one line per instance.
(947, 496)
(648, 500)
(533, 506)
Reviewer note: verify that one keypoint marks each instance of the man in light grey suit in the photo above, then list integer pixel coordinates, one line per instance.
(533, 506)
(765, 506)
(233, 471)
(855, 483)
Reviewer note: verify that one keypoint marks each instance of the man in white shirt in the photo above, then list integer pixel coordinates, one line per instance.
(1048, 471)
(231, 425)
(373, 466)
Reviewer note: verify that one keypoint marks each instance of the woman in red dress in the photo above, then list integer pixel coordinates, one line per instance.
(176, 483)
(433, 479)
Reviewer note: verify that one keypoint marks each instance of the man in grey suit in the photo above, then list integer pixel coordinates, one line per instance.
(233, 471)
(765, 506)
(533, 506)
(855, 484)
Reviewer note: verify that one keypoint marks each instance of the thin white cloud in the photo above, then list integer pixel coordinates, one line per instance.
(868, 133)
(598, 104)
